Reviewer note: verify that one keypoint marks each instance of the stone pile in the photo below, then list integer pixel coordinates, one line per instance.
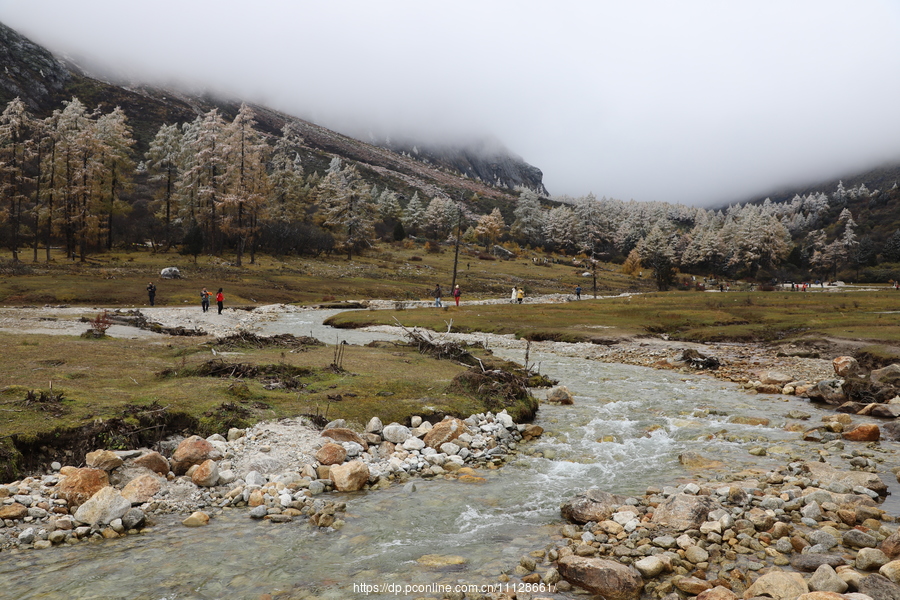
(806, 528)
(113, 494)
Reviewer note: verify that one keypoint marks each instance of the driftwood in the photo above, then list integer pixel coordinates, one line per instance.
(442, 350)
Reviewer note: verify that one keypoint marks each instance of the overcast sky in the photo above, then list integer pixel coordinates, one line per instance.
(688, 101)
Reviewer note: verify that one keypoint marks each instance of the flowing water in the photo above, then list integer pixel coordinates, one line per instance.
(624, 433)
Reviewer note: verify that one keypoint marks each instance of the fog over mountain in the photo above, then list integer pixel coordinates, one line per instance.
(701, 102)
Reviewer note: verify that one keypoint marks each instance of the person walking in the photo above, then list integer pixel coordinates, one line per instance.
(151, 292)
(204, 299)
(512, 298)
(220, 300)
(520, 295)
(456, 294)
(578, 292)
(437, 293)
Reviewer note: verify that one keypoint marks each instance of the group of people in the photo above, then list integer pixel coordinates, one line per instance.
(204, 297)
(438, 293)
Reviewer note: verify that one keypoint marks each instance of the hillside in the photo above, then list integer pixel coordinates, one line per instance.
(44, 82)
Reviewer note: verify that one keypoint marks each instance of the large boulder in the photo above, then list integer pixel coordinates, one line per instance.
(684, 511)
(154, 461)
(560, 395)
(105, 460)
(606, 578)
(342, 434)
(13, 511)
(170, 273)
(772, 377)
(396, 433)
(446, 431)
(142, 488)
(879, 587)
(193, 451)
(827, 474)
(206, 474)
(104, 507)
(591, 505)
(350, 476)
(889, 375)
(828, 391)
(845, 366)
(778, 585)
(865, 432)
(79, 485)
(331, 454)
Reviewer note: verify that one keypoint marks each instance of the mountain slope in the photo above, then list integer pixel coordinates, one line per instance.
(44, 82)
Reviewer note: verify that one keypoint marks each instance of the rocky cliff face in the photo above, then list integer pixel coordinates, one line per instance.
(28, 70)
(482, 160)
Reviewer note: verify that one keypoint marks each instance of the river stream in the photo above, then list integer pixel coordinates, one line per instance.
(625, 432)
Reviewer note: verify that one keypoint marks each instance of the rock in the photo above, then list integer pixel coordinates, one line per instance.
(775, 378)
(829, 391)
(342, 434)
(695, 554)
(80, 484)
(845, 366)
(683, 511)
(826, 474)
(561, 395)
(170, 273)
(607, 578)
(532, 431)
(446, 431)
(193, 451)
(823, 596)
(331, 454)
(826, 580)
(778, 585)
(206, 474)
(748, 420)
(413, 443)
(695, 460)
(859, 539)
(891, 570)
(13, 511)
(141, 489)
(692, 585)
(885, 411)
(760, 518)
(591, 505)
(258, 512)
(891, 545)
(440, 561)
(863, 433)
(104, 506)
(349, 477)
(133, 519)
(105, 460)
(154, 461)
(811, 562)
(374, 425)
(650, 566)
(869, 559)
(717, 593)
(889, 374)
(879, 587)
(395, 433)
(197, 519)
(891, 431)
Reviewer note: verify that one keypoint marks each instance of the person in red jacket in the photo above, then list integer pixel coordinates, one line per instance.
(456, 294)
(220, 299)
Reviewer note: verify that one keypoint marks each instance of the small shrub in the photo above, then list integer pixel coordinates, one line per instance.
(415, 259)
(432, 247)
(483, 256)
(99, 325)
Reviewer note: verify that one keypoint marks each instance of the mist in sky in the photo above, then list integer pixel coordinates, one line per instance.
(699, 102)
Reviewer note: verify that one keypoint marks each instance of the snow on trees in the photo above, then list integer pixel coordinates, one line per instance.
(490, 227)
(346, 206)
(162, 163)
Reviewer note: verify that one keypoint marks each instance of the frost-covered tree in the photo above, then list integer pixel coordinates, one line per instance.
(389, 206)
(529, 218)
(17, 151)
(202, 182)
(286, 177)
(414, 214)
(162, 163)
(560, 228)
(656, 253)
(348, 209)
(439, 218)
(891, 250)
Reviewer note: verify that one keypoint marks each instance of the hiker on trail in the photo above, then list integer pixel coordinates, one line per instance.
(437, 293)
(520, 295)
(151, 292)
(512, 298)
(456, 294)
(578, 292)
(204, 299)
(220, 300)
